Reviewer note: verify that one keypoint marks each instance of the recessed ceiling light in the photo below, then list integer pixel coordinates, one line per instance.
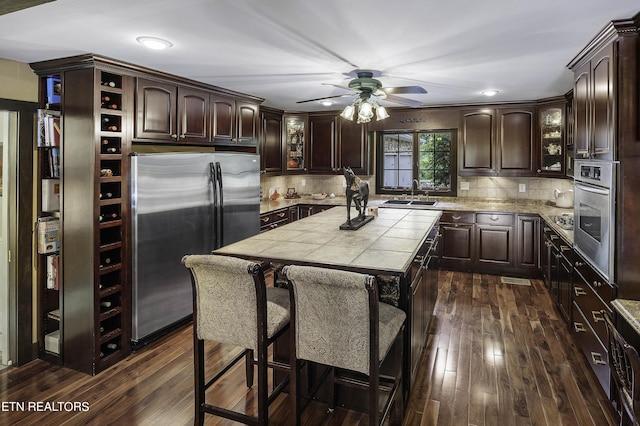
(154, 43)
(327, 103)
(490, 92)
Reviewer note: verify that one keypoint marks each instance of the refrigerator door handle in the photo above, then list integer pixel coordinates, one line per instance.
(220, 227)
(214, 187)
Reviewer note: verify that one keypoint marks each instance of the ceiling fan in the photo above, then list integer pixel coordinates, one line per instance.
(365, 86)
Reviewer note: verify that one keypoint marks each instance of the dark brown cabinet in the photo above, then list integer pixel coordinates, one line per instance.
(594, 105)
(271, 142)
(494, 239)
(323, 153)
(457, 241)
(335, 143)
(528, 242)
(94, 311)
(497, 142)
(168, 112)
(591, 294)
(234, 121)
(353, 148)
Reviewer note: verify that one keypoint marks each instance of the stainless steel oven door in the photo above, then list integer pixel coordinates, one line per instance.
(594, 227)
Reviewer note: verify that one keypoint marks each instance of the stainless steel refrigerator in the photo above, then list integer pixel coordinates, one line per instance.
(183, 203)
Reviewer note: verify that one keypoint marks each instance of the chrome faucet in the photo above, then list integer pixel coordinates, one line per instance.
(417, 186)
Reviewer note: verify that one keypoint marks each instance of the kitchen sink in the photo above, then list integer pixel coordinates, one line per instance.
(397, 202)
(411, 203)
(423, 203)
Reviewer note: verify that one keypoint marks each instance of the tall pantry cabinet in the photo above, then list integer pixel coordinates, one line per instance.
(95, 104)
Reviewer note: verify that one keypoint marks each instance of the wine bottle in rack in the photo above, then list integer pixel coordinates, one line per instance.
(109, 83)
(109, 125)
(112, 346)
(107, 148)
(105, 304)
(108, 103)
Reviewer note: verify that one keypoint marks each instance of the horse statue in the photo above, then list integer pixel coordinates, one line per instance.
(358, 191)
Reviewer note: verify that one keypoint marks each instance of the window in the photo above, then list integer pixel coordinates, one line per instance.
(425, 157)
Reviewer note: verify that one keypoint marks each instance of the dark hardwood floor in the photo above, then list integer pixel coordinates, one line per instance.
(497, 354)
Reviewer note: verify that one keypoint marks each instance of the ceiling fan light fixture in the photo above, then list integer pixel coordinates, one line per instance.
(490, 92)
(381, 113)
(154, 42)
(348, 111)
(365, 112)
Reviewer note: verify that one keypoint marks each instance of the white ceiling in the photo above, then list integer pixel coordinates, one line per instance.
(285, 50)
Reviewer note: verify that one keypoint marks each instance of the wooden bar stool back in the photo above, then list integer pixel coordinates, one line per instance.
(625, 371)
(231, 304)
(337, 321)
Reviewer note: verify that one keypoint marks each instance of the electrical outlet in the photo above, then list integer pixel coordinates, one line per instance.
(464, 186)
(522, 187)
(304, 182)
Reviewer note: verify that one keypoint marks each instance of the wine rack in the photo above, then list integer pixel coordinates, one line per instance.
(112, 341)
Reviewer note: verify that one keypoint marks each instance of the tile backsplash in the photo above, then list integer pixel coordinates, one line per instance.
(497, 188)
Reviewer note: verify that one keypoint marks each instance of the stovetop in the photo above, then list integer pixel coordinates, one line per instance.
(564, 221)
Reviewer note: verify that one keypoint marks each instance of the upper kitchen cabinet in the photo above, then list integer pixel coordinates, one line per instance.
(335, 143)
(353, 148)
(168, 112)
(497, 142)
(323, 153)
(295, 143)
(270, 142)
(234, 121)
(594, 103)
(552, 139)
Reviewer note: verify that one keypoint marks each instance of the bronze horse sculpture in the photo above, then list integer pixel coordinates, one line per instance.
(358, 191)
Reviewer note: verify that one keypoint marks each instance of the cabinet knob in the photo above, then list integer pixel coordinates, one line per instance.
(539, 171)
(175, 136)
(579, 264)
(182, 136)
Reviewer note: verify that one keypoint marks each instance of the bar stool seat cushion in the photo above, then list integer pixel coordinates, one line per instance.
(330, 334)
(221, 275)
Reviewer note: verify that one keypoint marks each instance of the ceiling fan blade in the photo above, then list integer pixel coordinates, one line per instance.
(403, 101)
(326, 97)
(338, 86)
(403, 90)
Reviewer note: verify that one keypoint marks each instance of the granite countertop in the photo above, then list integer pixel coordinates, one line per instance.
(629, 310)
(546, 211)
(388, 244)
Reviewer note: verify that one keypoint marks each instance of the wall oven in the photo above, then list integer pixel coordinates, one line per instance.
(594, 214)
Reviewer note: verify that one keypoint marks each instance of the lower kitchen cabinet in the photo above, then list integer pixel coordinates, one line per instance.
(279, 217)
(494, 239)
(528, 243)
(592, 294)
(456, 230)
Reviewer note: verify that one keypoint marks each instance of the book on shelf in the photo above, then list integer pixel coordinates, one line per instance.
(48, 235)
(50, 195)
(53, 89)
(53, 263)
(48, 128)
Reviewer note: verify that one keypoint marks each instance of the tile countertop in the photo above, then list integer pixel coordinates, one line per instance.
(546, 211)
(388, 244)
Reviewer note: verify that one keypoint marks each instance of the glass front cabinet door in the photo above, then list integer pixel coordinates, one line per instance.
(552, 147)
(295, 137)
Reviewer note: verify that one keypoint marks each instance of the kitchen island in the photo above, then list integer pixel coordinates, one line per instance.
(396, 246)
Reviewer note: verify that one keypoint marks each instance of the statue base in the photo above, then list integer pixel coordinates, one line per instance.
(356, 223)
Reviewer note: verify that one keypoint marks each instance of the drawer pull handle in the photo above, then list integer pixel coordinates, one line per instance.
(597, 284)
(579, 327)
(456, 217)
(597, 316)
(579, 291)
(494, 217)
(565, 248)
(579, 264)
(554, 237)
(281, 214)
(265, 219)
(597, 358)
(547, 229)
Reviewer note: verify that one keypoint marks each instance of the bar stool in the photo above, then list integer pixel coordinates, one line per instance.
(231, 304)
(625, 370)
(337, 321)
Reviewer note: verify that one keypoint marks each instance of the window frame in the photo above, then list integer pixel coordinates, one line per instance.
(453, 171)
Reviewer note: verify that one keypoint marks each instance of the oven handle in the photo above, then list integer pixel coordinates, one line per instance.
(592, 189)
